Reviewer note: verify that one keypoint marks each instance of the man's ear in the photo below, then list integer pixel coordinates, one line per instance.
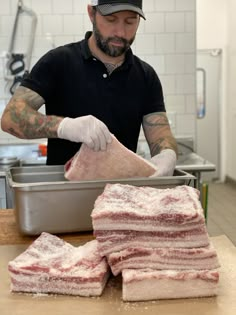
(91, 12)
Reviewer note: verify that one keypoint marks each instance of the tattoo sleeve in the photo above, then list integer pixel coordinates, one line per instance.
(158, 133)
(22, 119)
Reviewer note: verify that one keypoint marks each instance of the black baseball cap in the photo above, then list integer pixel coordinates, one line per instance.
(107, 7)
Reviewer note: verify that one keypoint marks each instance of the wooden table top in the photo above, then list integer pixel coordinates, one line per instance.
(9, 234)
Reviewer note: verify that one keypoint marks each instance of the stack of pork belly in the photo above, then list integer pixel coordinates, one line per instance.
(158, 239)
(51, 265)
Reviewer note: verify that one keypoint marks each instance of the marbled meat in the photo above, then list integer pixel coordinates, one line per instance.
(50, 265)
(144, 284)
(129, 216)
(164, 258)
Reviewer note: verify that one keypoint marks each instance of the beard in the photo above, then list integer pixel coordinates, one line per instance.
(103, 43)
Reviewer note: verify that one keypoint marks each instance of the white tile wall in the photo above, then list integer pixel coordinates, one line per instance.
(185, 5)
(42, 6)
(5, 7)
(165, 44)
(185, 43)
(145, 44)
(73, 24)
(164, 6)
(190, 22)
(62, 7)
(167, 40)
(148, 6)
(174, 22)
(176, 103)
(168, 84)
(156, 23)
(158, 62)
(185, 84)
(52, 24)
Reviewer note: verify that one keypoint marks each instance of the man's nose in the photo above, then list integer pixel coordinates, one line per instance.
(120, 30)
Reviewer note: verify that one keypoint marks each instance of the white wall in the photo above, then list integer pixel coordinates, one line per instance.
(167, 40)
(216, 28)
(212, 33)
(211, 23)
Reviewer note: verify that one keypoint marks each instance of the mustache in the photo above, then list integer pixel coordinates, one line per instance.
(118, 40)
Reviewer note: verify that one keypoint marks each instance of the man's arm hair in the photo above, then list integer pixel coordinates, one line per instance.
(22, 119)
(158, 133)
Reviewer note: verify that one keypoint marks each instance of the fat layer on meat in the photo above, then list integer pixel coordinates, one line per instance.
(50, 265)
(146, 284)
(127, 207)
(164, 258)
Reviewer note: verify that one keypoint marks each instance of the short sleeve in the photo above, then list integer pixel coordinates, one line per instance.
(43, 77)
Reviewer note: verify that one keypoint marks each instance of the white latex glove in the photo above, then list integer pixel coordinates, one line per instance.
(165, 162)
(87, 129)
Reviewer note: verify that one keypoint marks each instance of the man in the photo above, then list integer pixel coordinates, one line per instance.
(93, 88)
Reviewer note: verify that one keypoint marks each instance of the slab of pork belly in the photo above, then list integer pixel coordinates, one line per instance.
(116, 162)
(127, 207)
(50, 265)
(164, 258)
(114, 241)
(144, 285)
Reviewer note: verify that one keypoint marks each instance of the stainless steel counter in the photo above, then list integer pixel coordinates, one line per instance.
(194, 164)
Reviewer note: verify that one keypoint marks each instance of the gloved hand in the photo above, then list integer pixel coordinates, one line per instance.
(165, 162)
(87, 129)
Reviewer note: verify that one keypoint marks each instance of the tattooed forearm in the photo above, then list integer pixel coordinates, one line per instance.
(164, 143)
(24, 121)
(158, 133)
(31, 98)
(156, 119)
(30, 124)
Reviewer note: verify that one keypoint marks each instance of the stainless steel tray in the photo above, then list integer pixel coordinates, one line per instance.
(45, 201)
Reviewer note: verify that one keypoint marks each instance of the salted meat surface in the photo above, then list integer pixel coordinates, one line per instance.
(127, 207)
(51, 265)
(126, 216)
(147, 284)
(117, 240)
(164, 258)
(116, 162)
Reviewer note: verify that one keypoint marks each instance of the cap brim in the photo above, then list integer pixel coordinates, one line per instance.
(107, 9)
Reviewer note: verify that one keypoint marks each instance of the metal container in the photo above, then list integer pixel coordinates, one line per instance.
(45, 201)
(8, 161)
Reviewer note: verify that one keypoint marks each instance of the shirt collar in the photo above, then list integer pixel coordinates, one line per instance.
(86, 53)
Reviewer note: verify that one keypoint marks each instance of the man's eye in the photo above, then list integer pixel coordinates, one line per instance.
(110, 20)
(131, 21)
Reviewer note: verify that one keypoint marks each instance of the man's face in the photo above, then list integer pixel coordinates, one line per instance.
(114, 34)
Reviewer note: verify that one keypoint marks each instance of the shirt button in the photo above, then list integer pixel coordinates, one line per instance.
(104, 75)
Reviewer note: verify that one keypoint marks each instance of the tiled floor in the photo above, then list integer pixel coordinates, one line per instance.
(222, 210)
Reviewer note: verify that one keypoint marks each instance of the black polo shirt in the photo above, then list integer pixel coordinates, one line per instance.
(73, 83)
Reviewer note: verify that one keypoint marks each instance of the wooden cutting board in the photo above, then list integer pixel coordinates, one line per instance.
(110, 303)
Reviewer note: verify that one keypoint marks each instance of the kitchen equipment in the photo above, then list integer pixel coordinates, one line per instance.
(46, 201)
(19, 63)
(6, 162)
(111, 303)
(204, 195)
(43, 149)
(209, 79)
